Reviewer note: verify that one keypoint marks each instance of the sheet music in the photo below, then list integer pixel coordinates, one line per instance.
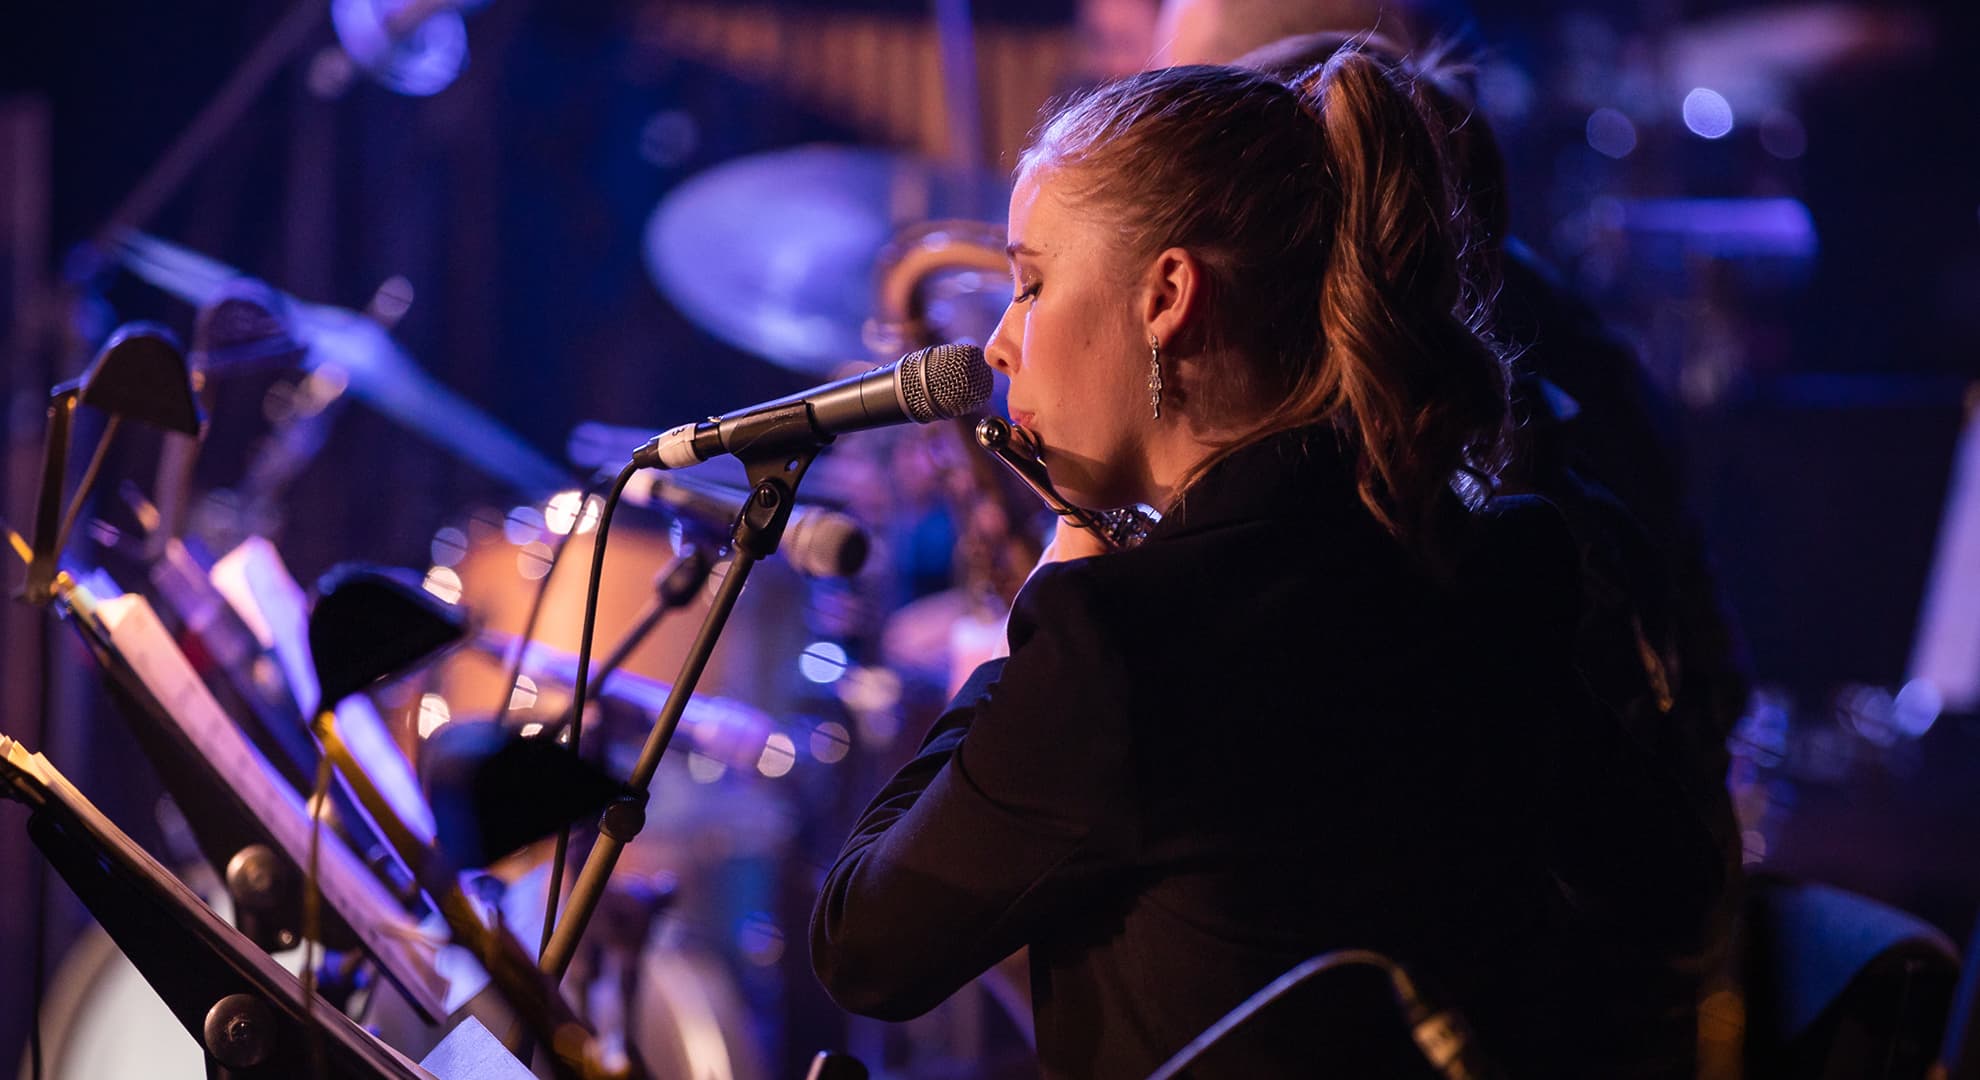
(257, 584)
(135, 633)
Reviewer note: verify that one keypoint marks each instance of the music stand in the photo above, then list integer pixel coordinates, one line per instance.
(243, 1008)
(219, 777)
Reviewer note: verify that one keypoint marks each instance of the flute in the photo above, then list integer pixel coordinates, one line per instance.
(1019, 451)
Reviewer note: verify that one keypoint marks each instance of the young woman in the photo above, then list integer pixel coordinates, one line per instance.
(1328, 703)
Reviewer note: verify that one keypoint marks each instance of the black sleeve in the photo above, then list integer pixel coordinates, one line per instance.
(1016, 805)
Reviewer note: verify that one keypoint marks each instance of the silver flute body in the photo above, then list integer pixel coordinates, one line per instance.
(1019, 451)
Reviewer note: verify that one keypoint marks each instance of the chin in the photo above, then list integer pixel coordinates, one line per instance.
(1095, 480)
(1084, 489)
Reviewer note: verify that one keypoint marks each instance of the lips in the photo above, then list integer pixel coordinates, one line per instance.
(1023, 418)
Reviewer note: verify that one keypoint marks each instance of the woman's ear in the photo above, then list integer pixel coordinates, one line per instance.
(1173, 298)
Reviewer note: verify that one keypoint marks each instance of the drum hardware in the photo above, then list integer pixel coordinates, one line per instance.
(354, 352)
(409, 46)
(412, 47)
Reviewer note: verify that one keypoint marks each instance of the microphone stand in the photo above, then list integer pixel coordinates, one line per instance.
(774, 468)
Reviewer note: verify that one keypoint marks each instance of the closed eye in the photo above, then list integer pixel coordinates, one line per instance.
(1028, 292)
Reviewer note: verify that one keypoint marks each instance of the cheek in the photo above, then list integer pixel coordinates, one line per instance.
(1065, 346)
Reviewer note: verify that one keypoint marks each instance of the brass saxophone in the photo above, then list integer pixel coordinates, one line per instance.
(994, 548)
(914, 256)
(1019, 451)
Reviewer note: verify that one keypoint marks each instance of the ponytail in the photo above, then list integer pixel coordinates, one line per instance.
(1406, 370)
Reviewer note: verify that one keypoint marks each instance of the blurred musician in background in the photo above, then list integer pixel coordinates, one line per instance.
(1332, 701)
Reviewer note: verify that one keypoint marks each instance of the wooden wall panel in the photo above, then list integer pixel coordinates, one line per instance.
(882, 74)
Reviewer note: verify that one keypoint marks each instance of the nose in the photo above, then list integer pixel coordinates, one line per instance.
(1002, 350)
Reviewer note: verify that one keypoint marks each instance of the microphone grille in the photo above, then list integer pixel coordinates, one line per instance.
(945, 381)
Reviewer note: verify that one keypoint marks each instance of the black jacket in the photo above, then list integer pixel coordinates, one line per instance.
(1268, 733)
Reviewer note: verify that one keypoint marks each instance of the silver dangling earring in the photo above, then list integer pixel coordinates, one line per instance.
(1155, 375)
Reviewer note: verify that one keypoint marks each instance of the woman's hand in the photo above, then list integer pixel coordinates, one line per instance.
(1069, 542)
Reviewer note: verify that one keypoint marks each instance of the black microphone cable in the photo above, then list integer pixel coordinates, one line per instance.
(578, 687)
(1439, 1031)
(589, 492)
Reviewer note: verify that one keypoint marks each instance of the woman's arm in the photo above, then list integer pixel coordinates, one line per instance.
(1017, 806)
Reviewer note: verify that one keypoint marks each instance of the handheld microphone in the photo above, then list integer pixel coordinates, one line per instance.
(936, 383)
(817, 542)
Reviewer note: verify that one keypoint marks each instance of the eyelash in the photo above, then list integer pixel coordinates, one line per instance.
(1026, 293)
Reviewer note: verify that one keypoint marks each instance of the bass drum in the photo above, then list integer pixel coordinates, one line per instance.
(688, 1019)
(100, 1019)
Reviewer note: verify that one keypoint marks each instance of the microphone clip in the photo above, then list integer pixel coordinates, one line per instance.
(773, 479)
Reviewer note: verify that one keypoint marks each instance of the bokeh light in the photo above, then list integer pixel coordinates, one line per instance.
(1708, 114)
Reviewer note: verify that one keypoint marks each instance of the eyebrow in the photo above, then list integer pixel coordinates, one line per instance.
(1016, 248)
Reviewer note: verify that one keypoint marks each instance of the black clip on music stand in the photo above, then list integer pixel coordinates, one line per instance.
(139, 374)
(370, 624)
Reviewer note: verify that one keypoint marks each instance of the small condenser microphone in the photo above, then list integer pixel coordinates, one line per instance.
(818, 542)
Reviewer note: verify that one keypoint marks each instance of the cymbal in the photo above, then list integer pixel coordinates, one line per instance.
(376, 369)
(775, 253)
